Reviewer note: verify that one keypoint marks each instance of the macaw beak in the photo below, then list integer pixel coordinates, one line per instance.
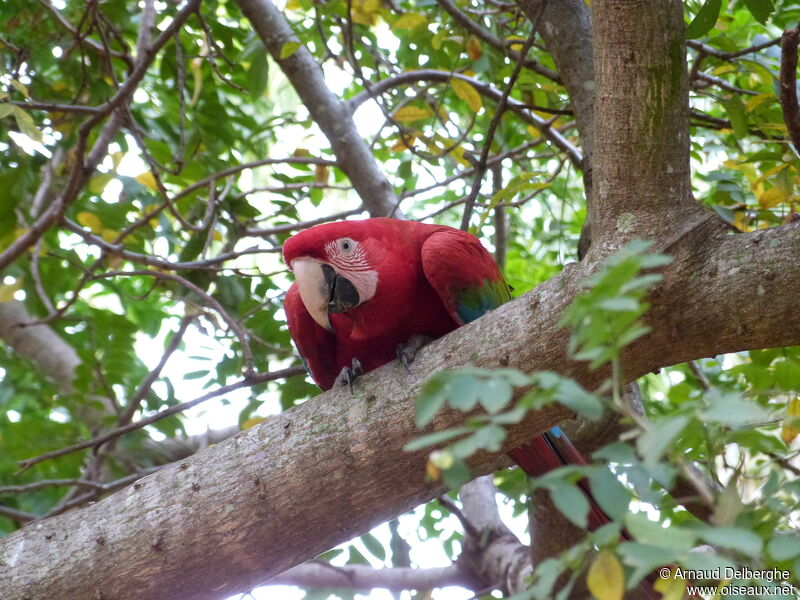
(323, 290)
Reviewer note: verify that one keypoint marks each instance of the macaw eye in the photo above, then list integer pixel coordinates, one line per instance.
(347, 245)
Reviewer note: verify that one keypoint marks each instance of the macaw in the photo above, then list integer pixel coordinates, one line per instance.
(363, 289)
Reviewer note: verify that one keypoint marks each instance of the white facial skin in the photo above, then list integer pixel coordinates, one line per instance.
(348, 258)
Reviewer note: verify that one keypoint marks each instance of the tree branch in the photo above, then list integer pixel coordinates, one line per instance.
(791, 111)
(226, 534)
(329, 113)
(364, 577)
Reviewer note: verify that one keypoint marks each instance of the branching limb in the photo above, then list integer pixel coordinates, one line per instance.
(329, 113)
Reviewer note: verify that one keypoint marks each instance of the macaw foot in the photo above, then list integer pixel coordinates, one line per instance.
(349, 374)
(408, 351)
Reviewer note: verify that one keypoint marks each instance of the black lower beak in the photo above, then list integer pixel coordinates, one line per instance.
(342, 295)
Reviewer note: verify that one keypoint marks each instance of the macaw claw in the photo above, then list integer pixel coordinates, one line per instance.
(407, 352)
(349, 374)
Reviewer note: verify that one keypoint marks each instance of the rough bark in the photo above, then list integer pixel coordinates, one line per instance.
(329, 112)
(642, 119)
(492, 550)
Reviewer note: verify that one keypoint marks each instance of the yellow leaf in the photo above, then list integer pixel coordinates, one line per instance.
(90, 221)
(532, 131)
(791, 427)
(321, 174)
(197, 76)
(467, 93)
(252, 422)
(773, 171)
(432, 471)
(722, 69)
(404, 142)
(365, 12)
(605, 579)
(671, 587)
(458, 154)
(20, 87)
(409, 21)
(98, 183)
(412, 113)
(109, 235)
(518, 44)
(117, 157)
(26, 124)
(758, 100)
(7, 290)
(288, 49)
(59, 86)
(147, 179)
(772, 198)
(741, 221)
(474, 49)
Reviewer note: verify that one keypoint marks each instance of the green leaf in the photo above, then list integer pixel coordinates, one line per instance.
(784, 546)
(760, 9)
(654, 442)
(6, 109)
(619, 304)
(676, 539)
(288, 49)
(570, 501)
(733, 538)
(704, 20)
(732, 410)
(431, 398)
(644, 558)
(258, 74)
(374, 546)
(609, 493)
(495, 394)
(26, 124)
(462, 391)
(787, 374)
(735, 109)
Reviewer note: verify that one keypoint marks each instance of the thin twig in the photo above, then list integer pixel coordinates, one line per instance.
(304, 224)
(208, 298)
(480, 168)
(167, 412)
(150, 378)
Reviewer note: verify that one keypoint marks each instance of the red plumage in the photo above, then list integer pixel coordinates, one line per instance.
(421, 271)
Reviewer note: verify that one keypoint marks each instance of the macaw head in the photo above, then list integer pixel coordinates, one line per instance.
(332, 268)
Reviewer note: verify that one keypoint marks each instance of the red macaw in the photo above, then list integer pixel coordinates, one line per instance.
(363, 289)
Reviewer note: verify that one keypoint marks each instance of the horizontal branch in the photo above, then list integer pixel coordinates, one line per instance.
(364, 577)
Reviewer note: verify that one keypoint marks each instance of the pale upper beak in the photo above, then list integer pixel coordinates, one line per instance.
(313, 288)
